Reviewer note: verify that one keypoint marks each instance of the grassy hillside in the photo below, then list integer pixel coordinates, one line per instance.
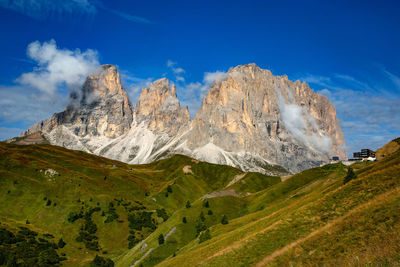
(104, 207)
(182, 212)
(388, 149)
(312, 219)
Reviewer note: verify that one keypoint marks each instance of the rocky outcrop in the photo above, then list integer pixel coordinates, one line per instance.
(159, 106)
(251, 119)
(101, 108)
(282, 121)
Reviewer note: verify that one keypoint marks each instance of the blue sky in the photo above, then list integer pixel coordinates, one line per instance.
(346, 50)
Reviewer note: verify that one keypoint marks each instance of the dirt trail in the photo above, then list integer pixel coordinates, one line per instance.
(222, 193)
(144, 256)
(236, 179)
(284, 178)
(380, 199)
(170, 233)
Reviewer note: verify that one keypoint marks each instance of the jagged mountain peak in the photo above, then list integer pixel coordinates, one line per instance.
(270, 116)
(249, 119)
(100, 108)
(155, 96)
(106, 81)
(159, 106)
(250, 69)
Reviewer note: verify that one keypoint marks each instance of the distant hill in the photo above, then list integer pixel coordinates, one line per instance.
(388, 149)
(183, 212)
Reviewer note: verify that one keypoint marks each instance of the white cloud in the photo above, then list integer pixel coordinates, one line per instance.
(211, 77)
(298, 122)
(170, 63)
(192, 94)
(44, 90)
(58, 67)
(178, 71)
(180, 79)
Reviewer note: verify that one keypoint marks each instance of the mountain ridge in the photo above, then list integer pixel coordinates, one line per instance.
(292, 126)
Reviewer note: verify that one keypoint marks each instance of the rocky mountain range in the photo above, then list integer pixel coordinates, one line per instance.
(249, 119)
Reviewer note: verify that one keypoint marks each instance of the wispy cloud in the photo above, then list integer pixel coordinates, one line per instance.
(121, 14)
(42, 9)
(368, 113)
(19, 104)
(6, 133)
(177, 71)
(394, 78)
(56, 9)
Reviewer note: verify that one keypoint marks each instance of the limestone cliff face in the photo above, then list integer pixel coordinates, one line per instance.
(159, 107)
(101, 108)
(270, 116)
(251, 119)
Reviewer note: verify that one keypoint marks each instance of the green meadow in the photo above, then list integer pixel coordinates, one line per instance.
(119, 212)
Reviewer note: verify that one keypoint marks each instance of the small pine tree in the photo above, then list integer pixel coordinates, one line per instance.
(188, 204)
(105, 178)
(161, 239)
(224, 220)
(206, 204)
(166, 194)
(184, 220)
(101, 262)
(202, 218)
(210, 212)
(350, 176)
(27, 222)
(61, 243)
(48, 202)
(169, 189)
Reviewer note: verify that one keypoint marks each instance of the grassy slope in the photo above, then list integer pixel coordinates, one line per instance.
(312, 219)
(24, 186)
(309, 219)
